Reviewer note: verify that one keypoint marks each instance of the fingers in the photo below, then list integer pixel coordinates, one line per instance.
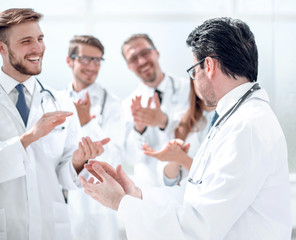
(156, 100)
(149, 102)
(146, 147)
(90, 169)
(100, 171)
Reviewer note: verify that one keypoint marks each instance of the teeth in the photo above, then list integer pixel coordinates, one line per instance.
(34, 58)
(145, 69)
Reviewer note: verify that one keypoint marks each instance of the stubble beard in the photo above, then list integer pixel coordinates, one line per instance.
(17, 65)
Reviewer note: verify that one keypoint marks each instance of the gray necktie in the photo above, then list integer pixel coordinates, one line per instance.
(21, 104)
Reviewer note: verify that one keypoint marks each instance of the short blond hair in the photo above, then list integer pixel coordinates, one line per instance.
(15, 16)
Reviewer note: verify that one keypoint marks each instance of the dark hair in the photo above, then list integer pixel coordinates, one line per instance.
(192, 116)
(15, 16)
(232, 41)
(137, 36)
(84, 39)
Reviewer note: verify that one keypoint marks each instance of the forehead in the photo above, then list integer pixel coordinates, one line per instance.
(87, 50)
(24, 30)
(135, 46)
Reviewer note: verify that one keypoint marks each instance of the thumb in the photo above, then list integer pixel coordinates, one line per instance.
(103, 141)
(186, 147)
(123, 178)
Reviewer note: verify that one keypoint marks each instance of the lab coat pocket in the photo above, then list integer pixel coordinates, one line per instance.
(3, 233)
(61, 221)
(54, 142)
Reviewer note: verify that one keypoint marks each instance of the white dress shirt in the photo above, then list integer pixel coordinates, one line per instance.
(89, 219)
(244, 192)
(175, 98)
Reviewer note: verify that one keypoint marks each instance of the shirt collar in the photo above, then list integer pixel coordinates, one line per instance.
(162, 86)
(8, 83)
(231, 98)
(94, 91)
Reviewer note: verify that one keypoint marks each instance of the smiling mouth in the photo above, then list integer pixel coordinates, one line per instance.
(34, 59)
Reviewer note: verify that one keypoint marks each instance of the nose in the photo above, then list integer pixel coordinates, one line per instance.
(141, 60)
(38, 46)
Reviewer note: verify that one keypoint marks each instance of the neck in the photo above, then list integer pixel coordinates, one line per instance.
(77, 86)
(229, 84)
(16, 75)
(158, 80)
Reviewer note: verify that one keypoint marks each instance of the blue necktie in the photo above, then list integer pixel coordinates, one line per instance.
(215, 117)
(21, 103)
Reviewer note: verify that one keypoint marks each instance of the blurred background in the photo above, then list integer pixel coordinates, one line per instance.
(168, 22)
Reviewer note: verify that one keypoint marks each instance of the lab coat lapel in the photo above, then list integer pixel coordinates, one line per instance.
(6, 103)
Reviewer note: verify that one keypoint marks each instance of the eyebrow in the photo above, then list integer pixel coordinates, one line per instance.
(29, 37)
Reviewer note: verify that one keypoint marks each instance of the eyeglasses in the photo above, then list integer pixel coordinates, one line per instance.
(85, 60)
(191, 71)
(144, 54)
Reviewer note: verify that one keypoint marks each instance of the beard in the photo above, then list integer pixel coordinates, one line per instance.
(19, 66)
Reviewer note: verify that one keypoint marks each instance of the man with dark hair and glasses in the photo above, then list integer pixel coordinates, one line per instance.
(238, 184)
(100, 116)
(150, 108)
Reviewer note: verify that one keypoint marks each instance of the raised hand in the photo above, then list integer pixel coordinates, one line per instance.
(83, 109)
(136, 106)
(87, 149)
(175, 151)
(148, 116)
(44, 126)
(106, 190)
(119, 175)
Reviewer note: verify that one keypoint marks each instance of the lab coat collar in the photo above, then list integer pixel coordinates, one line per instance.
(8, 83)
(231, 98)
(95, 90)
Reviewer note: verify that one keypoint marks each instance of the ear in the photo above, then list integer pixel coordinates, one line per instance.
(3, 48)
(210, 67)
(69, 62)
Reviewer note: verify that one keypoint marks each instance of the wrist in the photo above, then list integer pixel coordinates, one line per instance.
(27, 138)
(84, 121)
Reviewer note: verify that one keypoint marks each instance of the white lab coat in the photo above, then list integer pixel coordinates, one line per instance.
(244, 192)
(148, 170)
(89, 219)
(32, 205)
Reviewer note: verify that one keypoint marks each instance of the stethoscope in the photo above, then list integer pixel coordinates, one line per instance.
(47, 95)
(174, 97)
(100, 118)
(217, 126)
